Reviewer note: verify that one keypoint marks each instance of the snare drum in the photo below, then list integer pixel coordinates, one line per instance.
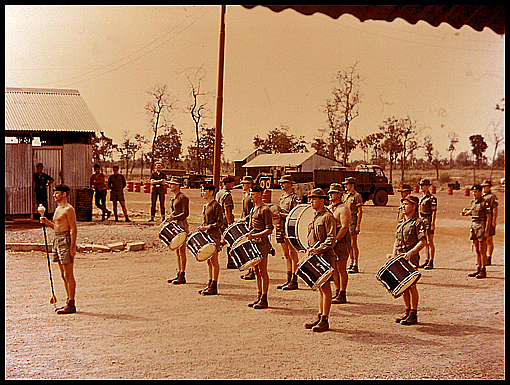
(296, 226)
(235, 232)
(201, 245)
(246, 254)
(397, 275)
(173, 235)
(315, 271)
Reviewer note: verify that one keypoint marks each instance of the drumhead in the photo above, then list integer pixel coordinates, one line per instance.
(206, 252)
(303, 215)
(178, 241)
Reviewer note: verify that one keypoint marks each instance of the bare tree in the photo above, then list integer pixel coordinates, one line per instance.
(408, 133)
(197, 109)
(158, 108)
(454, 139)
(496, 135)
(346, 98)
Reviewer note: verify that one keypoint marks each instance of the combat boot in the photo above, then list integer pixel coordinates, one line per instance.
(403, 317)
(68, 308)
(289, 277)
(180, 278)
(322, 326)
(412, 319)
(212, 289)
(340, 298)
(310, 325)
(292, 285)
(262, 303)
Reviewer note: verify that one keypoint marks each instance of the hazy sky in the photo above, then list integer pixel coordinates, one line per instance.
(279, 68)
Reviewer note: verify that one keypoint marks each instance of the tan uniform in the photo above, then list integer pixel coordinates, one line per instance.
(261, 218)
(409, 233)
(321, 234)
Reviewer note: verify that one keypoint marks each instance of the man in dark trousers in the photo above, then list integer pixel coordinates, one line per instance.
(158, 180)
(40, 182)
(116, 183)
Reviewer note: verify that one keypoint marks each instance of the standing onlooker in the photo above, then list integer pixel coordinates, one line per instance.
(40, 182)
(404, 191)
(116, 184)
(355, 203)
(481, 218)
(98, 183)
(247, 183)
(288, 200)
(64, 246)
(427, 212)
(410, 239)
(493, 203)
(180, 212)
(342, 247)
(157, 181)
(224, 198)
(321, 238)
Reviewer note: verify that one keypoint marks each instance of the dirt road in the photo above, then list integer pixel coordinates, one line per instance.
(132, 324)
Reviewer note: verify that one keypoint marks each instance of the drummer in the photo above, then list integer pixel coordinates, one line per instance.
(321, 237)
(288, 200)
(342, 247)
(247, 183)
(410, 239)
(261, 226)
(180, 212)
(212, 220)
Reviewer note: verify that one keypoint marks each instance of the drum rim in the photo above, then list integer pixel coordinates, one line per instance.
(210, 256)
(180, 243)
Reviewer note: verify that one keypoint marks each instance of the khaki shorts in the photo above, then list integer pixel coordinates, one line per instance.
(62, 248)
(477, 231)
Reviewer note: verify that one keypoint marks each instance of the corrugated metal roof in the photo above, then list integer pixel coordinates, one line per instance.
(269, 160)
(42, 109)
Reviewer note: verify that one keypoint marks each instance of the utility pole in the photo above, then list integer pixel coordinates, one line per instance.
(219, 102)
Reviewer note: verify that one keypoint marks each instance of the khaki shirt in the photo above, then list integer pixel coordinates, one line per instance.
(212, 214)
(353, 201)
(409, 233)
(427, 204)
(287, 202)
(322, 232)
(261, 218)
(480, 210)
(180, 210)
(224, 198)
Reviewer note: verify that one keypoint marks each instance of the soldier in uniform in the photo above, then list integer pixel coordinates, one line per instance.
(342, 248)
(212, 219)
(261, 225)
(481, 217)
(321, 238)
(224, 198)
(180, 212)
(355, 203)
(404, 191)
(247, 183)
(410, 239)
(427, 211)
(493, 203)
(288, 200)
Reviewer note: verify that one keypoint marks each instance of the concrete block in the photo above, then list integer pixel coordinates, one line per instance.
(135, 246)
(116, 246)
(27, 247)
(100, 248)
(82, 248)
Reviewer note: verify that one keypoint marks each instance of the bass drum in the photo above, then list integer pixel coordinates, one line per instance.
(296, 226)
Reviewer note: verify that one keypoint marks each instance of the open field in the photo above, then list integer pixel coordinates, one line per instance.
(132, 324)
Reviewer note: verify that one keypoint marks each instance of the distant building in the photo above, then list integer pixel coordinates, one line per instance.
(65, 127)
(244, 158)
(302, 162)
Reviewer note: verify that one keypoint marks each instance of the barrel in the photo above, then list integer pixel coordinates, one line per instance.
(130, 186)
(146, 187)
(450, 190)
(266, 196)
(432, 189)
(137, 186)
(466, 191)
(416, 188)
(83, 206)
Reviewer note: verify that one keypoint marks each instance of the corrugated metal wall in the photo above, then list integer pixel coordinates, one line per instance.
(70, 164)
(51, 158)
(18, 179)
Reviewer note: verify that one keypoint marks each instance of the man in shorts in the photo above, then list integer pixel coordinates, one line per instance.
(342, 247)
(481, 217)
(427, 211)
(116, 184)
(64, 247)
(354, 201)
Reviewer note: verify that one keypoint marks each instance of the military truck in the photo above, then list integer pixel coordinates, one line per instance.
(371, 182)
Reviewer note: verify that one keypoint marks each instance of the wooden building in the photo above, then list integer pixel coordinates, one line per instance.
(61, 122)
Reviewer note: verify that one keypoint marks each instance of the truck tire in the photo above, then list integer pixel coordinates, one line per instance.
(380, 198)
